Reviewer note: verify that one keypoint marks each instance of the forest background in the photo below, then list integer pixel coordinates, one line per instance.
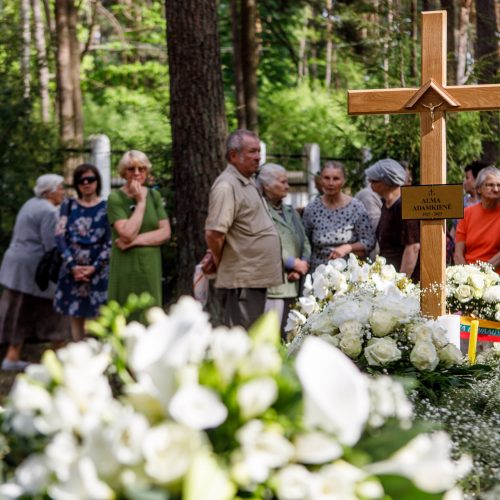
(171, 77)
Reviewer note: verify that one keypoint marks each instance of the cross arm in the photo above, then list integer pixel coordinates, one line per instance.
(379, 102)
(392, 101)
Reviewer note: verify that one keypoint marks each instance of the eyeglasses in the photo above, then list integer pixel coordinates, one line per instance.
(86, 180)
(141, 170)
(492, 185)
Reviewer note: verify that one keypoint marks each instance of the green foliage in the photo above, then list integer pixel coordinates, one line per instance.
(28, 148)
(292, 117)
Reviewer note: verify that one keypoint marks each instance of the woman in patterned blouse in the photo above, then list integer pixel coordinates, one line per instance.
(335, 223)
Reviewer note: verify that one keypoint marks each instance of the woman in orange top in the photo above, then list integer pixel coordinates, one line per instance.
(478, 233)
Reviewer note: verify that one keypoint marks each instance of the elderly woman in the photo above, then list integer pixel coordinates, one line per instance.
(398, 239)
(335, 223)
(26, 312)
(84, 240)
(295, 247)
(478, 233)
(140, 226)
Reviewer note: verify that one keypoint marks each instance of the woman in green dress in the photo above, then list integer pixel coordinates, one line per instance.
(140, 226)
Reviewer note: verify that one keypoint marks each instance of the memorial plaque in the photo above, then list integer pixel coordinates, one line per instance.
(432, 202)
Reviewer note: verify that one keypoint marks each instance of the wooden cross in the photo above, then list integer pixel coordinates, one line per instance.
(432, 100)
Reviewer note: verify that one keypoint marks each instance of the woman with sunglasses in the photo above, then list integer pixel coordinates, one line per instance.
(140, 226)
(83, 238)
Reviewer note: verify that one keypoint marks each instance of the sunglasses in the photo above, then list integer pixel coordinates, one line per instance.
(141, 170)
(87, 180)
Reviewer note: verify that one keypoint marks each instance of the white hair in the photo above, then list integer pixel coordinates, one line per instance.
(268, 174)
(484, 173)
(133, 158)
(47, 183)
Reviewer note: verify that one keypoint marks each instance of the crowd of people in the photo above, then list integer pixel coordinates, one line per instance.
(251, 234)
(259, 248)
(109, 249)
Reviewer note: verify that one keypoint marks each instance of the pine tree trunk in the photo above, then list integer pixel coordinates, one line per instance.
(43, 68)
(451, 8)
(329, 43)
(237, 65)
(463, 41)
(198, 123)
(68, 69)
(414, 38)
(489, 60)
(26, 42)
(249, 61)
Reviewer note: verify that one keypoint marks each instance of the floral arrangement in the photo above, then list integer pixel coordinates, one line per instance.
(180, 410)
(473, 290)
(471, 416)
(371, 313)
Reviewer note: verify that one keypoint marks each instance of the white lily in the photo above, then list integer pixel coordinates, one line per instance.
(336, 394)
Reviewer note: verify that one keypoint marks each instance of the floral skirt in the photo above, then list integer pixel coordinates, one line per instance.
(25, 318)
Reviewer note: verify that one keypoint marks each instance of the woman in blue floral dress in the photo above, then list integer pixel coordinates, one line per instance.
(83, 237)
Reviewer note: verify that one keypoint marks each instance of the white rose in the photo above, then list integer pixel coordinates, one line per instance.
(262, 449)
(168, 450)
(351, 327)
(477, 281)
(197, 407)
(293, 482)
(497, 316)
(316, 447)
(419, 332)
(351, 345)
(450, 355)
(463, 293)
(380, 352)
(263, 359)
(256, 396)
(294, 321)
(424, 356)
(348, 309)
(439, 337)
(321, 322)
(492, 294)
(308, 304)
(382, 322)
(228, 348)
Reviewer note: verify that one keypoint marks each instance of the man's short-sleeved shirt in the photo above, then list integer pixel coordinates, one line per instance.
(251, 257)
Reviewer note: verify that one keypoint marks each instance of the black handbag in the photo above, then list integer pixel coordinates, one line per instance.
(50, 264)
(48, 268)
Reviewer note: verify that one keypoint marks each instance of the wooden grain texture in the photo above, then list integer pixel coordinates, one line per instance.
(392, 101)
(434, 47)
(433, 141)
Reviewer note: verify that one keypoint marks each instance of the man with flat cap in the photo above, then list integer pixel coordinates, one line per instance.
(398, 239)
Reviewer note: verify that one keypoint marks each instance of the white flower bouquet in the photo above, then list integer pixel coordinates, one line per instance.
(371, 313)
(212, 414)
(473, 290)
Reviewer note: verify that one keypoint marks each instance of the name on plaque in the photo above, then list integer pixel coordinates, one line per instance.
(432, 201)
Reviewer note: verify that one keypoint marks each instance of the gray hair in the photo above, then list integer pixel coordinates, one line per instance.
(235, 141)
(47, 183)
(483, 173)
(268, 174)
(338, 165)
(133, 158)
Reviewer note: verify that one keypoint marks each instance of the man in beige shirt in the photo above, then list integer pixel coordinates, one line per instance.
(244, 246)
